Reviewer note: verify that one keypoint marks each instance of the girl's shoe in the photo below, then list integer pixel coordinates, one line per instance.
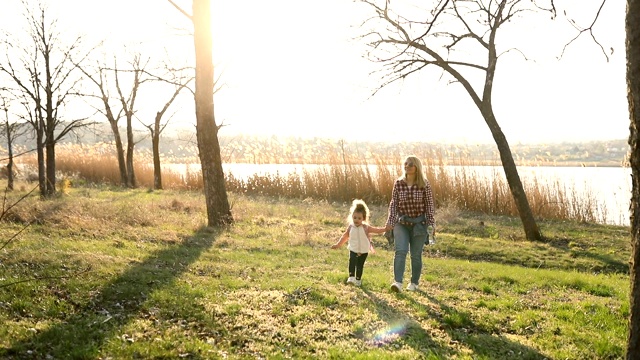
(351, 280)
(412, 287)
(357, 282)
(396, 287)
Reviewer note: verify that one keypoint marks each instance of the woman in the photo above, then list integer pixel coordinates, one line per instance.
(411, 210)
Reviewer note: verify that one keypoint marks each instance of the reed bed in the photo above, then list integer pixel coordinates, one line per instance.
(348, 174)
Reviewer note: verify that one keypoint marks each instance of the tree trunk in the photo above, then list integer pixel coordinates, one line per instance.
(50, 125)
(10, 153)
(10, 173)
(122, 166)
(218, 210)
(131, 176)
(42, 183)
(531, 229)
(155, 145)
(632, 27)
(51, 166)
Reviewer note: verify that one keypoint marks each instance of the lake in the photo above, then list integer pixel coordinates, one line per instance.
(610, 185)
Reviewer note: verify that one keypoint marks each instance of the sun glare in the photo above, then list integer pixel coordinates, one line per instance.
(287, 68)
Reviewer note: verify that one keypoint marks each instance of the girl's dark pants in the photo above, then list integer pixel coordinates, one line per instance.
(356, 264)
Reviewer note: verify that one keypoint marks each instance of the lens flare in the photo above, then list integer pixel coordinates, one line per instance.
(390, 333)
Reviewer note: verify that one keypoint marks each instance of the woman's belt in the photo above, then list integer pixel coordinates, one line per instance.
(411, 221)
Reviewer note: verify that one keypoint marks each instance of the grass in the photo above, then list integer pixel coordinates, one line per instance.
(129, 274)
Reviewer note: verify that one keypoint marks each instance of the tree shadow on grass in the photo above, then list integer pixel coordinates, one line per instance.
(602, 263)
(482, 341)
(608, 263)
(455, 323)
(400, 325)
(113, 306)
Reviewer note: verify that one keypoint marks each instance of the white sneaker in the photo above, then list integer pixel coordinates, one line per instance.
(351, 280)
(357, 282)
(396, 287)
(412, 287)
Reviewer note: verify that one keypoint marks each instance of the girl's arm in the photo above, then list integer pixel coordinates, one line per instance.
(375, 230)
(343, 239)
(372, 229)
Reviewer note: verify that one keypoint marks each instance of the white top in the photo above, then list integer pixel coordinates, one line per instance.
(358, 239)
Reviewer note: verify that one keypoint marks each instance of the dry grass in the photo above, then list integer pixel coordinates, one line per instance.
(346, 176)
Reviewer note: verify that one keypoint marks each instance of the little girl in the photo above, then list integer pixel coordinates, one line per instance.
(358, 233)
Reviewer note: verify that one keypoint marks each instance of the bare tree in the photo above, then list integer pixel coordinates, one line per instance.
(101, 80)
(439, 38)
(46, 77)
(632, 28)
(10, 130)
(157, 126)
(217, 201)
(113, 78)
(128, 105)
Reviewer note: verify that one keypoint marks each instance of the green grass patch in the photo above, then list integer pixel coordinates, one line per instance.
(107, 273)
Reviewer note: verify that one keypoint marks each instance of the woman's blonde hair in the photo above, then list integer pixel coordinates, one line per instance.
(420, 179)
(358, 206)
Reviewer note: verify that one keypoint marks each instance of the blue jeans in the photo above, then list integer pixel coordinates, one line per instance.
(408, 239)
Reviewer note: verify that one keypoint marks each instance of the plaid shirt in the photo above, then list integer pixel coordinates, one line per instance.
(411, 201)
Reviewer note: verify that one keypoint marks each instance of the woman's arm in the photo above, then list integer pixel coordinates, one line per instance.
(430, 206)
(393, 207)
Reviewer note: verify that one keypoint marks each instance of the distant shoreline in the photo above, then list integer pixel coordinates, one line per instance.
(471, 163)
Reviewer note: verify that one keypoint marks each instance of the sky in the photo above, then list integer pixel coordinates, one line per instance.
(294, 68)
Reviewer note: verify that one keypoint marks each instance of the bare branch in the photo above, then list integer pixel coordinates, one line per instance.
(181, 10)
(470, 34)
(47, 278)
(15, 236)
(5, 211)
(73, 125)
(589, 30)
(19, 154)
